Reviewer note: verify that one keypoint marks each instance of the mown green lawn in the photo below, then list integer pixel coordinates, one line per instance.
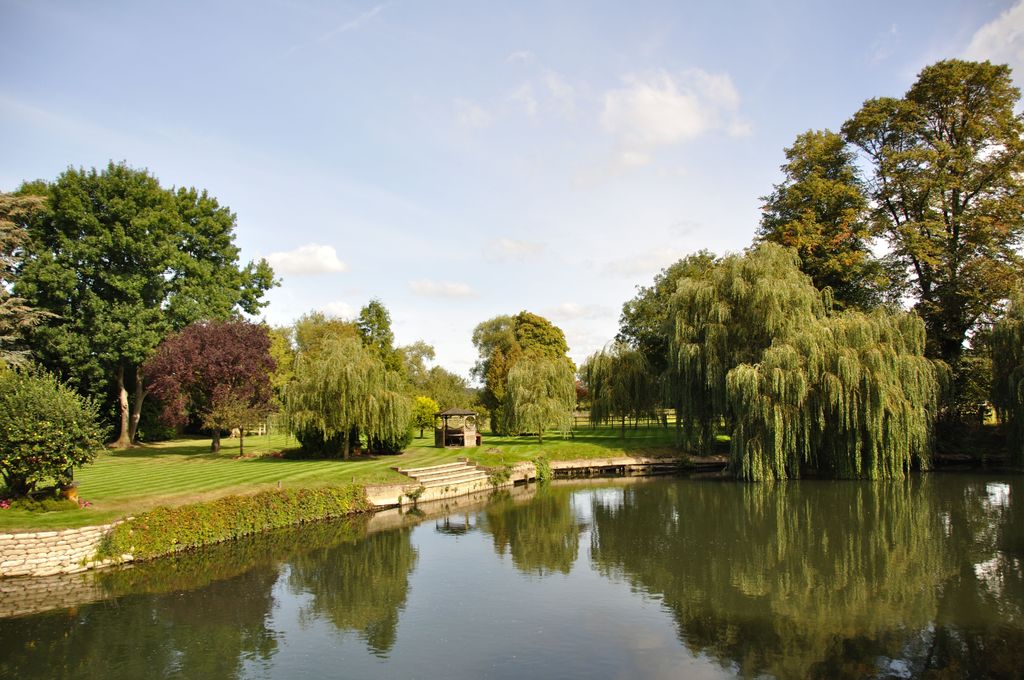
(184, 470)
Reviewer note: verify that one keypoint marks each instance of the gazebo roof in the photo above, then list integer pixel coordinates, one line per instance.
(455, 412)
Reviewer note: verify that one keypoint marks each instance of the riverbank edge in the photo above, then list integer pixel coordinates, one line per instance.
(69, 551)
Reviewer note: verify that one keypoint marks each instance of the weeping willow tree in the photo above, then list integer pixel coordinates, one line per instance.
(621, 385)
(1008, 374)
(798, 387)
(541, 395)
(341, 389)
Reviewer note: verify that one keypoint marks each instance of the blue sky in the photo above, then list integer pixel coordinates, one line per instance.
(460, 160)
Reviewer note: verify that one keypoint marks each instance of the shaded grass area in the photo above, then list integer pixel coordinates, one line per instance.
(182, 471)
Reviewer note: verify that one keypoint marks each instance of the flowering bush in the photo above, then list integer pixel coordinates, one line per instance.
(4, 504)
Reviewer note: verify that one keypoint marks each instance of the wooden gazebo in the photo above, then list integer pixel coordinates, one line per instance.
(457, 428)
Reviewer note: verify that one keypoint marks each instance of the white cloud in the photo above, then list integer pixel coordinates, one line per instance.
(471, 114)
(1002, 41)
(569, 311)
(311, 258)
(523, 95)
(663, 110)
(549, 92)
(520, 57)
(341, 310)
(449, 289)
(512, 249)
(563, 95)
(884, 46)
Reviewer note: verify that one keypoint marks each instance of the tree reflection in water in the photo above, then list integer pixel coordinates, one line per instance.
(148, 636)
(358, 586)
(542, 534)
(819, 579)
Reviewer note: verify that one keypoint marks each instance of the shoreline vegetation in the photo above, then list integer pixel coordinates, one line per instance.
(184, 471)
(180, 496)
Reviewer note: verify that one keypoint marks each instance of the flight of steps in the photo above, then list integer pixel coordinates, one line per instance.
(448, 474)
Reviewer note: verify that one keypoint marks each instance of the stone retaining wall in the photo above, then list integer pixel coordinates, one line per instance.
(45, 553)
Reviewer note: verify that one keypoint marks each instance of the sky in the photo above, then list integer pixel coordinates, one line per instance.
(459, 160)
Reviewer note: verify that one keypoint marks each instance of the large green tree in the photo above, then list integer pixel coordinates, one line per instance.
(342, 389)
(645, 323)
(541, 395)
(501, 343)
(820, 209)
(122, 262)
(800, 389)
(947, 193)
(620, 384)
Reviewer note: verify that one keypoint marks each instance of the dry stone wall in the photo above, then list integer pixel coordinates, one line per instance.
(45, 553)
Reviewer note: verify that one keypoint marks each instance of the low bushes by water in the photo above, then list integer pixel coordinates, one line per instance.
(167, 530)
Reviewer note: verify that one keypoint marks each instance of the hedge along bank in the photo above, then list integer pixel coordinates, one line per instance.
(168, 530)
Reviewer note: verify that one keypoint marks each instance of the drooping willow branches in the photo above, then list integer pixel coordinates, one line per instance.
(341, 387)
(541, 395)
(621, 385)
(801, 389)
(1008, 374)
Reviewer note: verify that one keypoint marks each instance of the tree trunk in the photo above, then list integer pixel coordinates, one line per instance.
(124, 438)
(215, 440)
(344, 446)
(140, 396)
(241, 440)
(622, 433)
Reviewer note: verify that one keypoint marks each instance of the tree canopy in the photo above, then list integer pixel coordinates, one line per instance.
(620, 385)
(219, 372)
(541, 395)
(947, 192)
(501, 343)
(16, 316)
(800, 388)
(820, 210)
(343, 389)
(1007, 344)
(121, 263)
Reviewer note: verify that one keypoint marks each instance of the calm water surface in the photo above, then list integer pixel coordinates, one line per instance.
(656, 578)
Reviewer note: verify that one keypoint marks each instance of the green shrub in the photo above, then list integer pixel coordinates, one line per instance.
(543, 466)
(167, 530)
(50, 504)
(394, 445)
(499, 475)
(46, 430)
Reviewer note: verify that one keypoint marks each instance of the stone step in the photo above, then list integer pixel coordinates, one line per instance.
(433, 476)
(456, 479)
(412, 472)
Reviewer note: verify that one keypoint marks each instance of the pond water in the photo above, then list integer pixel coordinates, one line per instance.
(630, 578)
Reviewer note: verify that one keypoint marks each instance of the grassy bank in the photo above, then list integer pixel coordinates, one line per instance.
(185, 471)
